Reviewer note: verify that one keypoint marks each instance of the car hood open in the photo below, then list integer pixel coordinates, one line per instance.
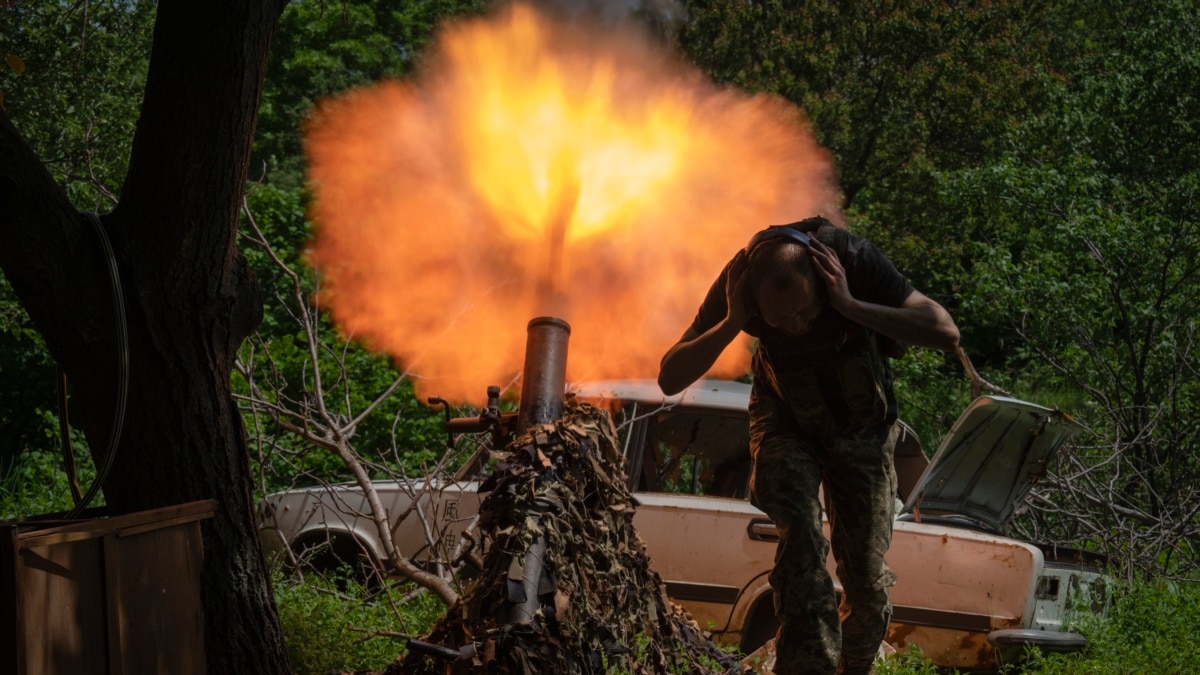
(990, 459)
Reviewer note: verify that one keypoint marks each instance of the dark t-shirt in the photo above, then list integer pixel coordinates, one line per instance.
(871, 278)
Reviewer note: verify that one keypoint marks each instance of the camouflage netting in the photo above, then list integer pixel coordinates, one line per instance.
(600, 608)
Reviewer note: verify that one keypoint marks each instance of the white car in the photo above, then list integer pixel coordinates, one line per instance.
(968, 596)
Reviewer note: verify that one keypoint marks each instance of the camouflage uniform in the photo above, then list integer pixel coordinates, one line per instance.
(860, 481)
(822, 409)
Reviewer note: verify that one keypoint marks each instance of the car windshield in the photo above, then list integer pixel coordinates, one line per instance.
(685, 450)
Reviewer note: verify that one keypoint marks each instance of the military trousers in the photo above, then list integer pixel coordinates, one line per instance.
(816, 634)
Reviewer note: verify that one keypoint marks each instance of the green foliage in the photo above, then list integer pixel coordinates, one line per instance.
(28, 380)
(76, 104)
(893, 90)
(37, 484)
(1088, 204)
(1088, 232)
(1149, 628)
(324, 48)
(931, 390)
(346, 631)
(911, 661)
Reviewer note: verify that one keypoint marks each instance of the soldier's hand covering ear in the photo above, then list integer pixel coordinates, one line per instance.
(737, 290)
(829, 269)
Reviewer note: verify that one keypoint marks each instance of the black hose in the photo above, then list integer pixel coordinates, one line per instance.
(114, 436)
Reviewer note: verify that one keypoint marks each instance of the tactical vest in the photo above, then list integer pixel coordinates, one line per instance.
(834, 379)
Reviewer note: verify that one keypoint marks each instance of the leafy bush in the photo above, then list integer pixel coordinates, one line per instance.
(932, 389)
(345, 631)
(1148, 628)
(909, 662)
(37, 484)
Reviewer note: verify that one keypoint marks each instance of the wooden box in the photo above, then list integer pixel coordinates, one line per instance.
(112, 596)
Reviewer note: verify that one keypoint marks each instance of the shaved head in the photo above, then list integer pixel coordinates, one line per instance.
(779, 266)
(785, 285)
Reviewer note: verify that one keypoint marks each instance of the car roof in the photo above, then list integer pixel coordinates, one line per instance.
(983, 469)
(712, 394)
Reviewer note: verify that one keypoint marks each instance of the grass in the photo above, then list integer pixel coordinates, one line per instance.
(328, 631)
(1149, 628)
(37, 485)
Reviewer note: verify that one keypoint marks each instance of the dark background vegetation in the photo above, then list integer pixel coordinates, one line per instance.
(1035, 167)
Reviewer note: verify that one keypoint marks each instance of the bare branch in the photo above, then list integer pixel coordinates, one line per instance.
(315, 423)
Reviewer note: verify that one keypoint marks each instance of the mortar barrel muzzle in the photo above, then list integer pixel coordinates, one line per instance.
(543, 381)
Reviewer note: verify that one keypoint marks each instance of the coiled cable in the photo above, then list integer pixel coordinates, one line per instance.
(122, 329)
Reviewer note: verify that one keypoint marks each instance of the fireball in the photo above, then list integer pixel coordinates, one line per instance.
(538, 166)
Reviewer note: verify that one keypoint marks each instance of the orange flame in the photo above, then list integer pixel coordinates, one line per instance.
(536, 167)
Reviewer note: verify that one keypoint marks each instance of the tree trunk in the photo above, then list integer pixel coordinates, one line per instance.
(189, 300)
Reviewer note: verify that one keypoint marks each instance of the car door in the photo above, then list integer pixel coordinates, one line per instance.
(689, 469)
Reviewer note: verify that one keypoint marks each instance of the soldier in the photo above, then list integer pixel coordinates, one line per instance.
(828, 309)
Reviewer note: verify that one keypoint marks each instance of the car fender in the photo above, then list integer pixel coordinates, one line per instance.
(753, 615)
(307, 516)
(368, 542)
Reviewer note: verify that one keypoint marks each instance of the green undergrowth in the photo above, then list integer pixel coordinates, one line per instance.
(37, 484)
(340, 628)
(1149, 628)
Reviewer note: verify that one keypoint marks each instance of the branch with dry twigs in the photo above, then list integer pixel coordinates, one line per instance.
(312, 419)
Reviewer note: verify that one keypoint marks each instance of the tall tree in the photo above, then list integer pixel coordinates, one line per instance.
(75, 97)
(1089, 238)
(189, 300)
(898, 90)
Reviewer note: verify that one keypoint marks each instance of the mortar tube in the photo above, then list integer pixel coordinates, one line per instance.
(543, 382)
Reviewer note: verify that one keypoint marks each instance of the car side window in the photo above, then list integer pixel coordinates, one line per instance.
(686, 450)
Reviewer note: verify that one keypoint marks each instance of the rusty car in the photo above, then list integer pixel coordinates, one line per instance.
(969, 595)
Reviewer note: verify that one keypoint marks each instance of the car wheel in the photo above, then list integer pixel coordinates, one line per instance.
(342, 561)
(760, 626)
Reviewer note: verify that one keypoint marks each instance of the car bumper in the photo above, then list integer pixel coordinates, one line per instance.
(1012, 644)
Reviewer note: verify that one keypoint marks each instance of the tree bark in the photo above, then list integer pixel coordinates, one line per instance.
(189, 301)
